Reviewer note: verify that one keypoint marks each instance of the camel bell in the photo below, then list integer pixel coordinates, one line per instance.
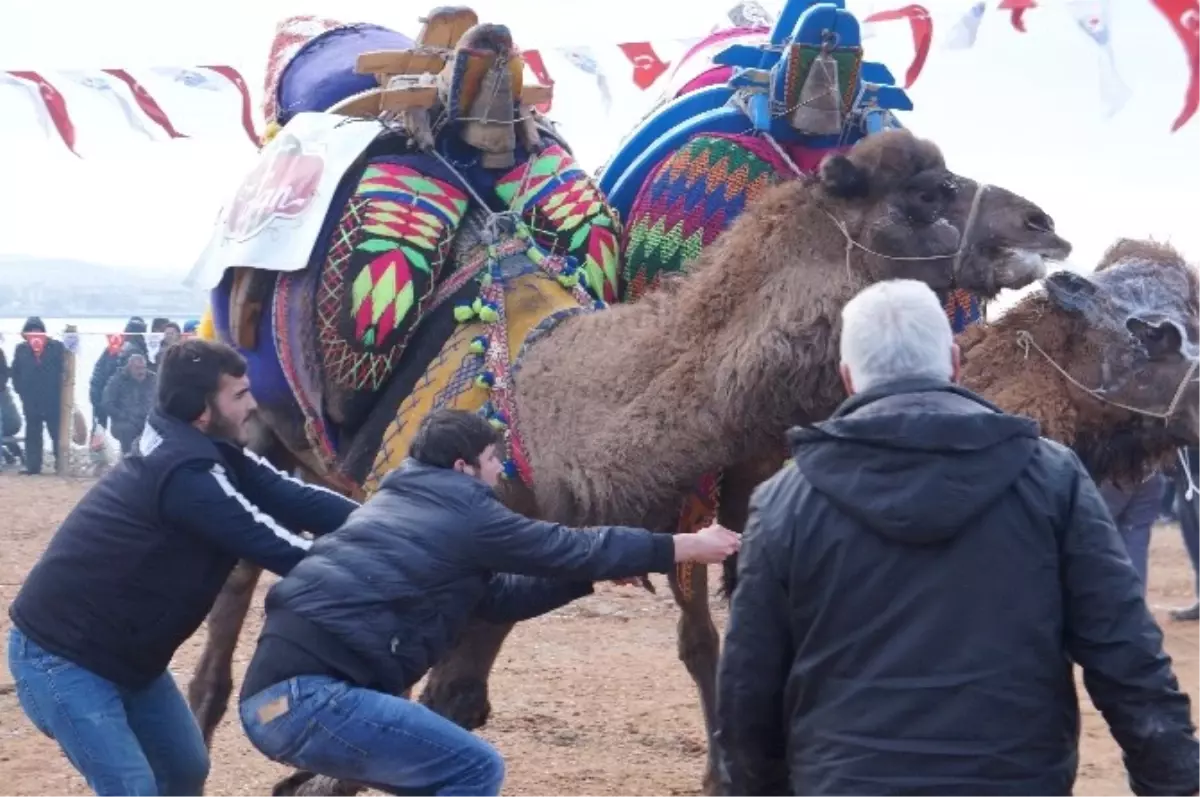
(491, 124)
(820, 110)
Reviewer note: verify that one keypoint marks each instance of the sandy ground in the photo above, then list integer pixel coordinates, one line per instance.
(588, 700)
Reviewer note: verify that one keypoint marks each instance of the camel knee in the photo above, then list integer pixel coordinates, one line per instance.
(699, 644)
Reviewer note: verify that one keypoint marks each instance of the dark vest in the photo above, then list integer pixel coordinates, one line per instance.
(116, 591)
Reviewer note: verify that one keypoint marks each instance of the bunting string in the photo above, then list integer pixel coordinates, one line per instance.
(148, 99)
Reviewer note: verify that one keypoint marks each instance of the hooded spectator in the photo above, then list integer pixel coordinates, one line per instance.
(128, 399)
(109, 362)
(37, 376)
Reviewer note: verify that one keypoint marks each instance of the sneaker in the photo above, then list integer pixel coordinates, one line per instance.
(1188, 614)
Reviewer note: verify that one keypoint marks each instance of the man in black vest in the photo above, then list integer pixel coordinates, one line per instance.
(135, 568)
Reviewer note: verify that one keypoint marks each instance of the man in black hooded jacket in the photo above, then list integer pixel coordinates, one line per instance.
(915, 586)
(37, 377)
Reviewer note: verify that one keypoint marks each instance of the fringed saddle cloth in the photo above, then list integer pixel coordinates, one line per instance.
(365, 316)
(522, 294)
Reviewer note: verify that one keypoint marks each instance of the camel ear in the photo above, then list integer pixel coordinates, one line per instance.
(1070, 291)
(843, 178)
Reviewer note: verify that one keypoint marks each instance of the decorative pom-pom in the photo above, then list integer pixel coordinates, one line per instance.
(498, 423)
(477, 305)
(479, 344)
(599, 305)
(485, 380)
(488, 314)
(485, 280)
(510, 469)
(463, 312)
(568, 280)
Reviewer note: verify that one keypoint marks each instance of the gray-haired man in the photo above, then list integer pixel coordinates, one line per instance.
(914, 589)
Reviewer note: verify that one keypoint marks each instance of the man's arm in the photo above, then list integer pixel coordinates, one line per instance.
(294, 503)
(511, 599)
(1114, 638)
(507, 542)
(755, 659)
(202, 500)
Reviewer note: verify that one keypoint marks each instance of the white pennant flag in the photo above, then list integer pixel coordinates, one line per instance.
(962, 35)
(1092, 16)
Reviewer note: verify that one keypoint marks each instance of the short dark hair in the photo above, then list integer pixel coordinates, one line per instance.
(448, 435)
(190, 375)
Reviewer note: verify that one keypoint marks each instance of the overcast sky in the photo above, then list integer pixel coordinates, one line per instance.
(1022, 111)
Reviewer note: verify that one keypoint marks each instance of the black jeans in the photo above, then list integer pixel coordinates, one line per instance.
(35, 419)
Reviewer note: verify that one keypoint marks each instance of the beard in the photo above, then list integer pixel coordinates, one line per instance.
(224, 427)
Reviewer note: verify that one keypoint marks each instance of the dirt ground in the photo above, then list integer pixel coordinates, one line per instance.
(588, 700)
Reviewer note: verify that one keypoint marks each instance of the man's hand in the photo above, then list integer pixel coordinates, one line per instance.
(708, 546)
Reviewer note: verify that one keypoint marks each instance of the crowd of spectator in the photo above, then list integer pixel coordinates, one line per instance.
(121, 389)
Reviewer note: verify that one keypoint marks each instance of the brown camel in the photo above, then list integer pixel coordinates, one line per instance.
(710, 372)
(1106, 364)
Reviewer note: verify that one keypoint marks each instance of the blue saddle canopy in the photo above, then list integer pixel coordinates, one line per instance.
(321, 73)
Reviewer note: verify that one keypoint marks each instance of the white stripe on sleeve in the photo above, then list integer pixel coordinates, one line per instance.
(260, 517)
(289, 477)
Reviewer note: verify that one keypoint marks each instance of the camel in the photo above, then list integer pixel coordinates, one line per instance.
(1106, 364)
(711, 369)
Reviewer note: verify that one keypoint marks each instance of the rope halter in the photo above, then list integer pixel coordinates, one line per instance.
(964, 239)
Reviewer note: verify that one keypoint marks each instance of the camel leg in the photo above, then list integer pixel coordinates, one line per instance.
(212, 680)
(699, 648)
(457, 687)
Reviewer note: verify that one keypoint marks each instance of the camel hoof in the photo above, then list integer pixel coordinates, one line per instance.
(463, 702)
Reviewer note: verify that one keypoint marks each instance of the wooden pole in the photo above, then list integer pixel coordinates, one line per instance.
(66, 413)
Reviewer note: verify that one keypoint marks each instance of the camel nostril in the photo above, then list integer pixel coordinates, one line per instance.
(1039, 222)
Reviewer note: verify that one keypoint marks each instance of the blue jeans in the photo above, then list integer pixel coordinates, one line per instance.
(123, 741)
(332, 728)
(1134, 511)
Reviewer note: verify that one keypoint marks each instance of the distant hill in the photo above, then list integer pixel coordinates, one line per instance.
(64, 287)
(32, 270)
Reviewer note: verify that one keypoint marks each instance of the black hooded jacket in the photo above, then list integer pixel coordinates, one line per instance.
(913, 589)
(38, 380)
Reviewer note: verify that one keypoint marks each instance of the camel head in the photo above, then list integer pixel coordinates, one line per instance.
(896, 200)
(1135, 326)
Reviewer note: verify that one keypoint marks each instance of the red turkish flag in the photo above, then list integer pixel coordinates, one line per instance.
(1184, 16)
(533, 60)
(1018, 9)
(36, 341)
(921, 25)
(647, 66)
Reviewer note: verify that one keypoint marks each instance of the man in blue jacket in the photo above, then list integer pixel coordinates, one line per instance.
(375, 605)
(135, 568)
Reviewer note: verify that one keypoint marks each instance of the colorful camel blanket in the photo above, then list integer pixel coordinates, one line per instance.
(696, 193)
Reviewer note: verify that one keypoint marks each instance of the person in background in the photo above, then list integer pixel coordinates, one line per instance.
(1135, 508)
(171, 334)
(1188, 511)
(10, 419)
(128, 399)
(135, 568)
(377, 603)
(916, 586)
(38, 380)
(107, 364)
